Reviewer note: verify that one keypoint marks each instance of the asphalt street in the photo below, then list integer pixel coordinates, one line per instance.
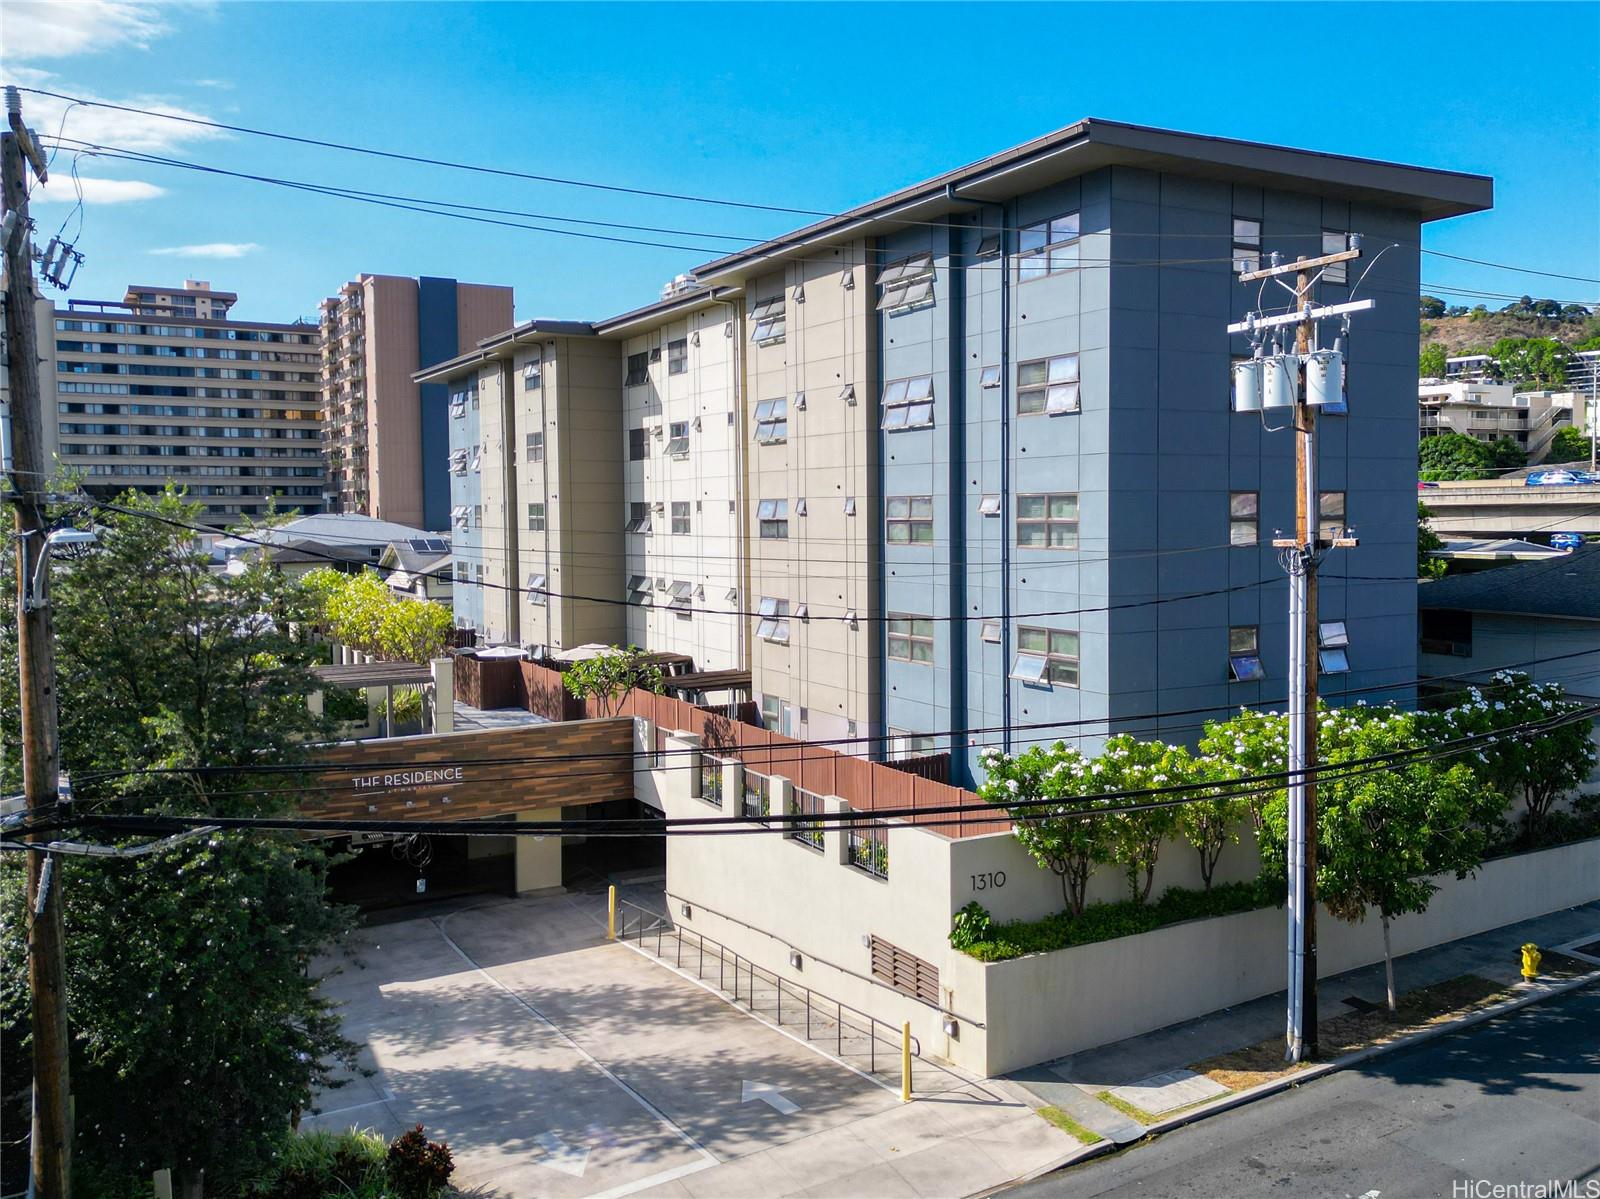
(1512, 1100)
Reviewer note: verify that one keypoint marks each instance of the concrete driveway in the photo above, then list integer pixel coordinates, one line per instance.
(557, 1064)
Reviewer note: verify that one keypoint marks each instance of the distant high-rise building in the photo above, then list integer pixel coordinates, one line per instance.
(388, 436)
(163, 387)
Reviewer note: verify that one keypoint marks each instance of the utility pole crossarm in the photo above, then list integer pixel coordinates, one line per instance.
(1302, 264)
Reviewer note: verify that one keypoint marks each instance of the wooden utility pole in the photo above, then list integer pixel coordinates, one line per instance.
(51, 1149)
(1308, 529)
(1293, 379)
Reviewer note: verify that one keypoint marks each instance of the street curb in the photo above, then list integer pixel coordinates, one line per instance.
(1241, 1098)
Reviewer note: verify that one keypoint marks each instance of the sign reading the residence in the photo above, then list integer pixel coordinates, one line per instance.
(470, 776)
(405, 780)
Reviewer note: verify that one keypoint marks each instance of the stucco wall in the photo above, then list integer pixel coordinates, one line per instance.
(1049, 1005)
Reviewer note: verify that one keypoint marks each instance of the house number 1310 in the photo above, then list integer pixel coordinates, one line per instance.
(985, 882)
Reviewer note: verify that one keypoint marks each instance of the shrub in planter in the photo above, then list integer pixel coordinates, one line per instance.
(311, 1165)
(418, 1168)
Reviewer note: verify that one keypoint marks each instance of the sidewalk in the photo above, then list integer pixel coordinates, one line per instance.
(1150, 1075)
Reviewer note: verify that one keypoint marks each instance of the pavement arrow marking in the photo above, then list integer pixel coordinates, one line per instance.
(770, 1095)
(568, 1159)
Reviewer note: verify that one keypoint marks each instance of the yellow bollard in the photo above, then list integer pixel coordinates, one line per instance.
(1530, 961)
(905, 1062)
(611, 913)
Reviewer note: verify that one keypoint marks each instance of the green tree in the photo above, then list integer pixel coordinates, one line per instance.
(1531, 361)
(1537, 771)
(1382, 834)
(1432, 308)
(1568, 445)
(1062, 835)
(1506, 454)
(363, 612)
(1430, 363)
(1428, 567)
(609, 677)
(1212, 823)
(1133, 839)
(196, 1026)
(1453, 456)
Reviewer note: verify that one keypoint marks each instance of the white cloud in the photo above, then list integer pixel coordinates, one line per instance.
(213, 249)
(60, 190)
(46, 29)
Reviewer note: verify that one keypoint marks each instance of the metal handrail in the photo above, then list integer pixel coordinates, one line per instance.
(648, 923)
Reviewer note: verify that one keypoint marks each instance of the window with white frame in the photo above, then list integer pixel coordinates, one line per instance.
(768, 321)
(678, 356)
(638, 370)
(910, 638)
(678, 439)
(1048, 385)
(1047, 657)
(1047, 522)
(533, 372)
(989, 505)
(989, 377)
(908, 403)
(1244, 517)
(1246, 244)
(537, 589)
(1331, 507)
(682, 596)
(1244, 654)
(1334, 242)
(1047, 247)
(638, 517)
(773, 516)
(772, 421)
(535, 447)
(638, 589)
(908, 519)
(903, 745)
(1333, 647)
(536, 518)
(680, 516)
(773, 620)
(906, 284)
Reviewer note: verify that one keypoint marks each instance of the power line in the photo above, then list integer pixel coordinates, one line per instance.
(1171, 795)
(794, 750)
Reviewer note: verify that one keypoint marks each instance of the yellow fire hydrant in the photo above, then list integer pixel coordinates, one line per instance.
(1530, 961)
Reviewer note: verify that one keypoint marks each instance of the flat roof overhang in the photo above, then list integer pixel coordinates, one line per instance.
(1093, 143)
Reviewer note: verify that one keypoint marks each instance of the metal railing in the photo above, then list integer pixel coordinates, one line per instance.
(847, 1034)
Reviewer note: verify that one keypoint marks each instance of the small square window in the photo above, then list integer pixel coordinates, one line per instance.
(1030, 668)
(847, 393)
(678, 356)
(989, 247)
(1335, 243)
(989, 378)
(535, 447)
(678, 439)
(1244, 654)
(991, 631)
(1331, 634)
(638, 370)
(849, 505)
(989, 505)
(1244, 517)
(1334, 661)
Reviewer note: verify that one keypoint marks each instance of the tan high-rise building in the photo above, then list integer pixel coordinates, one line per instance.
(161, 387)
(387, 436)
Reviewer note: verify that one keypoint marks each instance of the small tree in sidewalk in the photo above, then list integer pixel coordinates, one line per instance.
(1384, 831)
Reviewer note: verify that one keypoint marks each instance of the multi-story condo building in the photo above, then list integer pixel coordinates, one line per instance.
(595, 481)
(164, 386)
(194, 298)
(1060, 527)
(1494, 411)
(387, 434)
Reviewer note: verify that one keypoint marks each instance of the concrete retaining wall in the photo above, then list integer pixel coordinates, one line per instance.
(1048, 1005)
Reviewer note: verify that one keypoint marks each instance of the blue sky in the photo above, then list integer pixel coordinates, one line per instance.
(810, 106)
